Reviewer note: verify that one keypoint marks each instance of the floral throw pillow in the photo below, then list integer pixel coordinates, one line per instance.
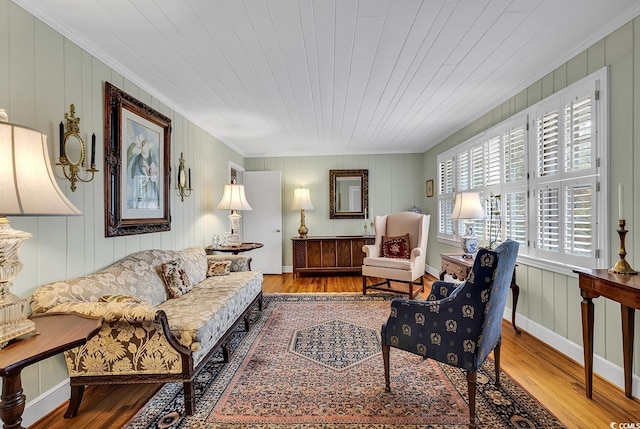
(396, 247)
(176, 278)
(218, 268)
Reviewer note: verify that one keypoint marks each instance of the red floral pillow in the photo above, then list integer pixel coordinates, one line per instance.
(176, 278)
(396, 247)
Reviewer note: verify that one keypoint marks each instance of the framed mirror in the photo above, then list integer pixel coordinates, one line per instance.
(348, 194)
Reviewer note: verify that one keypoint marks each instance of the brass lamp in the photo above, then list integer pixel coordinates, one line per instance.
(233, 199)
(302, 202)
(28, 188)
(467, 207)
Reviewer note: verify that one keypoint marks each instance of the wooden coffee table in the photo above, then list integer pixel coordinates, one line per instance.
(56, 333)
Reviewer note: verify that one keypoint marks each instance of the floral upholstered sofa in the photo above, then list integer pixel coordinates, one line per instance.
(152, 333)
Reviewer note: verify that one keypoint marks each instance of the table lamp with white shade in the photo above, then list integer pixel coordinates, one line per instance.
(468, 207)
(28, 188)
(233, 199)
(302, 202)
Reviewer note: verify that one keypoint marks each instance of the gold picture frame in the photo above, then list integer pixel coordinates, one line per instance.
(429, 188)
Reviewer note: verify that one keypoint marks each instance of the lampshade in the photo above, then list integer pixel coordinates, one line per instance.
(301, 199)
(27, 184)
(467, 206)
(233, 198)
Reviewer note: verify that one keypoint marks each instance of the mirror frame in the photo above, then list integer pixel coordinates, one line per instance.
(363, 175)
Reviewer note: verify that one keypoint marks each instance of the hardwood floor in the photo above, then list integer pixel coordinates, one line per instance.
(555, 380)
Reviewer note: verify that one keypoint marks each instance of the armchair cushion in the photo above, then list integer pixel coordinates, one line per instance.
(396, 247)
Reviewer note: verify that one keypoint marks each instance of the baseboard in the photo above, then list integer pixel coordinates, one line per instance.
(42, 405)
(611, 372)
(287, 268)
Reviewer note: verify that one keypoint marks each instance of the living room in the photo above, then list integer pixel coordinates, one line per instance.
(43, 72)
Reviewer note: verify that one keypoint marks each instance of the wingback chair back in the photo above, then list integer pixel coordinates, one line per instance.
(458, 324)
(409, 270)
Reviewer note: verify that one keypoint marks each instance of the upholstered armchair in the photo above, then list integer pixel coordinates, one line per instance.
(458, 324)
(398, 254)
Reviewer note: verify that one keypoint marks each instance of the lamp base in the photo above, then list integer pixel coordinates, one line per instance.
(469, 241)
(303, 230)
(13, 316)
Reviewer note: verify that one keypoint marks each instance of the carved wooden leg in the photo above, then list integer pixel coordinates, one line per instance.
(260, 303)
(471, 388)
(226, 349)
(385, 359)
(189, 397)
(246, 323)
(77, 391)
(496, 356)
(13, 401)
(364, 285)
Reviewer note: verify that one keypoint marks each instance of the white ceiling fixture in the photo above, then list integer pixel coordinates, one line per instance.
(330, 77)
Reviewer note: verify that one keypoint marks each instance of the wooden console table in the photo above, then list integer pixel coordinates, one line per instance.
(624, 289)
(57, 332)
(329, 254)
(459, 268)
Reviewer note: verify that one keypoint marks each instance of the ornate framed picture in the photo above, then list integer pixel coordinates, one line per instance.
(137, 150)
(430, 188)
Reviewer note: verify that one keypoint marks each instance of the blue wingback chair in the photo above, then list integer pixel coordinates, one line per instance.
(458, 324)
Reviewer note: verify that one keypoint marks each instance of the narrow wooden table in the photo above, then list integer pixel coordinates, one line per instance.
(244, 247)
(621, 288)
(459, 268)
(57, 332)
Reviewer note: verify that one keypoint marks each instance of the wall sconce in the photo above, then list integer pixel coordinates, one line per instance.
(183, 189)
(73, 151)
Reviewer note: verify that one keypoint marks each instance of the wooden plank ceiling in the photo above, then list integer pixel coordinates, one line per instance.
(331, 77)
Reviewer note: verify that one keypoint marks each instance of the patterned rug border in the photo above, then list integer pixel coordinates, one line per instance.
(149, 416)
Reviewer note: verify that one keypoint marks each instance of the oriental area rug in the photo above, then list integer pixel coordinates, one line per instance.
(314, 361)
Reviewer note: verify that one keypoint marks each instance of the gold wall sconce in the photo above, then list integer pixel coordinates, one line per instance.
(183, 187)
(73, 152)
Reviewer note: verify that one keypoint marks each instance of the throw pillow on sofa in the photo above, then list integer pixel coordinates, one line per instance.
(176, 278)
(218, 268)
(396, 247)
(119, 298)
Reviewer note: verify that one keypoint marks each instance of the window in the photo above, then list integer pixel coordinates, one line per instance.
(538, 175)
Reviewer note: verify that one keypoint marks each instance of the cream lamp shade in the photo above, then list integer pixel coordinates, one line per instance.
(468, 207)
(233, 199)
(28, 188)
(302, 202)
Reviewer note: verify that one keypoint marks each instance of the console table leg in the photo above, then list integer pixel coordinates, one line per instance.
(13, 401)
(627, 346)
(587, 340)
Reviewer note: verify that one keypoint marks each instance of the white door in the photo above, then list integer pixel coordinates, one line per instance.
(263, 224)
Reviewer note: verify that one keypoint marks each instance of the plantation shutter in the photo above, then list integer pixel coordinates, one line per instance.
(547, 144)
(477, 166)
(578, 144)
(515, 162)
(464, 171)
(445, 177)
(515, 207)
(579, 219)
(493, 162)
(548, 218)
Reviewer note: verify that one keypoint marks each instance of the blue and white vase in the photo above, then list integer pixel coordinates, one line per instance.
(469, 241)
